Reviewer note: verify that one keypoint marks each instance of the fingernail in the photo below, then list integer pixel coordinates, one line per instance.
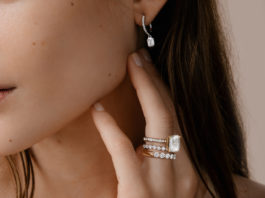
(98, 106)
(137, 59)
(146, 55)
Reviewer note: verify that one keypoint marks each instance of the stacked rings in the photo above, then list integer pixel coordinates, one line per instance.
(169, 146)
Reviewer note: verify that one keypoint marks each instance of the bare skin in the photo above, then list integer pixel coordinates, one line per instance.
(62, 54)
(85, 168)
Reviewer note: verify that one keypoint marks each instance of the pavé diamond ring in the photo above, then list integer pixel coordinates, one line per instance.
(161, 155)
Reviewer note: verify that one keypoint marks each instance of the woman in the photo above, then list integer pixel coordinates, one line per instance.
(74, 108)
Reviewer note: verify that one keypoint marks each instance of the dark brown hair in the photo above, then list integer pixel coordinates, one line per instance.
(191, 55)
(24, 188)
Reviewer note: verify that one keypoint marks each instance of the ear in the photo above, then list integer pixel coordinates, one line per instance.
(149, 8)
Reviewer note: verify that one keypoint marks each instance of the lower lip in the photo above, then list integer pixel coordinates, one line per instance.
(4, 94)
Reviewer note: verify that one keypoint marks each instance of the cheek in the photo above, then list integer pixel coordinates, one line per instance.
(61, 65)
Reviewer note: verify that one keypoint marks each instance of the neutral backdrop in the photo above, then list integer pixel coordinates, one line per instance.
(245, 25)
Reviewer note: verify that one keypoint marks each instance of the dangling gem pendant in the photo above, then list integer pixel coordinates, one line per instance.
(150, 40)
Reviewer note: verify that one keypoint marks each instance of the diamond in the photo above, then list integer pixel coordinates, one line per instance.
(150, 41)
(167, 155)
(162, 155)
(156, 154)
(174, 143)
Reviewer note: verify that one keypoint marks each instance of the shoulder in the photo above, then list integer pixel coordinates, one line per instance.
(247, 188)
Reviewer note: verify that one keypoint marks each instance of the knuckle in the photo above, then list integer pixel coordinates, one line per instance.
(166, 118)
(162, 120)
(163, 124)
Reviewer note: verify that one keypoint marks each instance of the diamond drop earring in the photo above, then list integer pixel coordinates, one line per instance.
(150, 40)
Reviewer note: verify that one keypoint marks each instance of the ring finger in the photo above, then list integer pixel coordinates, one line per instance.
(159, 121)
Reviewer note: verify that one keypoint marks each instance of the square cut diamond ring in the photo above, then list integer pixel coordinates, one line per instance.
(172, 143)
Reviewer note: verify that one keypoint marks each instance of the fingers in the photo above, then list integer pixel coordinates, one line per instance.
(124, 158)
(184, 174)
(151, 69)
(163, 89)
(158, 118)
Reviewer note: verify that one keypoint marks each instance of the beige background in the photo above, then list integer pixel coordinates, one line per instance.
(245, 23)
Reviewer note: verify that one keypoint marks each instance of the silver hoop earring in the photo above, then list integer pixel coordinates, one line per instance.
(150, 40)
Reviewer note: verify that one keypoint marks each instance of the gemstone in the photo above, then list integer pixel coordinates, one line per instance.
(167, 155)
(163, 148)
(171, 156)
(150, 41)
(159, 148)
(162, 155)
(174, 143)
(156, 154)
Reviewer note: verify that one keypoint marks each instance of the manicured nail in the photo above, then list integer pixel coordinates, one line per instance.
(137, 59)
(146, 55)
(98, 106)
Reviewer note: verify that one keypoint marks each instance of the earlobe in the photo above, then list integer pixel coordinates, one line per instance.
(149, 8)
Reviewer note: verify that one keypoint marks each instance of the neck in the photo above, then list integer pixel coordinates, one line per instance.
(76, 155)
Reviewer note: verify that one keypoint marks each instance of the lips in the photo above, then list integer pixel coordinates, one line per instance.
(4, 89)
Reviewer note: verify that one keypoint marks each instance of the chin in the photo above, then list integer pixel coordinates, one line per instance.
(9, 147)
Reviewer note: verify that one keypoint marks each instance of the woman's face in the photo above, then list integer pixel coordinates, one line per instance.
(62, 55)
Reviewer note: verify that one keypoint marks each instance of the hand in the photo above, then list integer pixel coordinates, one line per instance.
(139, 176)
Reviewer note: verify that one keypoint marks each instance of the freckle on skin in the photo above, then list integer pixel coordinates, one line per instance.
(10, 140)
(34, 43)
(43, 43)
(109, 74)
(72, 3)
